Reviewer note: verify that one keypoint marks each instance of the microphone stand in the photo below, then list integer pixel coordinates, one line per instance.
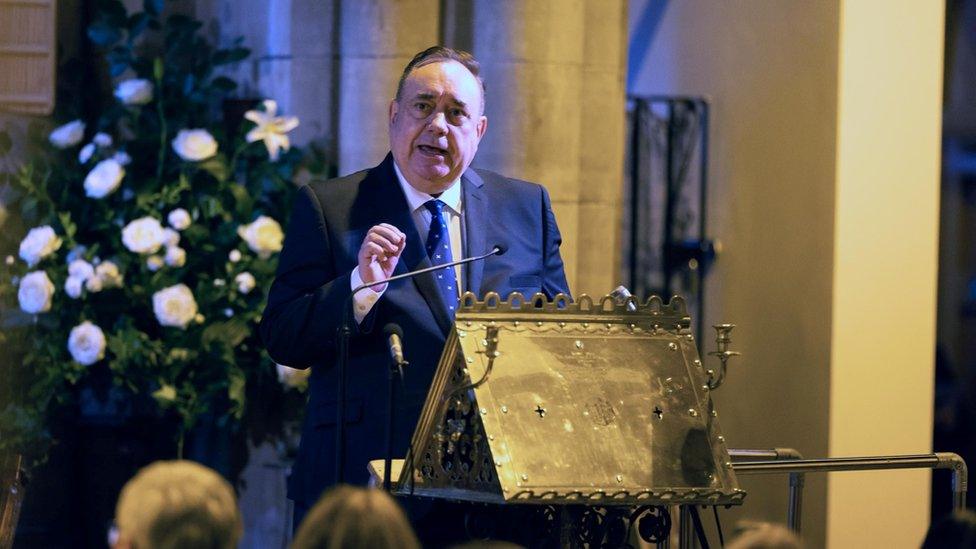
(396, 372)
(345, 333)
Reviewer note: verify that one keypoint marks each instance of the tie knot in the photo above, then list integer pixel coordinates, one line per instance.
(434, 206)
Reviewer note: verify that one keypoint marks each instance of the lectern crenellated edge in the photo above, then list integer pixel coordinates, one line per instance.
(588, 402)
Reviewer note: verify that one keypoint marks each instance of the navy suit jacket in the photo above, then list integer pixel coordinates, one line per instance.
(301, 321)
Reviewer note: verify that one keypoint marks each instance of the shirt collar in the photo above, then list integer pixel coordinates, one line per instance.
(416, 199)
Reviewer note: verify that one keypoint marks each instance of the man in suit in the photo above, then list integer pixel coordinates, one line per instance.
(421, 206)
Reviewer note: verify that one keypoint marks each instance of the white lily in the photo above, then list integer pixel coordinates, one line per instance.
(270, 128)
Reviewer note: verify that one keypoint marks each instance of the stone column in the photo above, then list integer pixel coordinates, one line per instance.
(601, 149)
(378, 38)
(542, 66)
(293, 45)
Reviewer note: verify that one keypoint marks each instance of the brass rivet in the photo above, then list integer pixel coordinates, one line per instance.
(504, 409)
(620, 478)
(469, 360)
(525, 477)
(673, 346)
(484, 411)
(579, 344)
(693, 412)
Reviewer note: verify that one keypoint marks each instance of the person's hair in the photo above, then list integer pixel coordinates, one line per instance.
(765, 535)
(955, 531)
(348, 517)
(178, 505)
(441, 54)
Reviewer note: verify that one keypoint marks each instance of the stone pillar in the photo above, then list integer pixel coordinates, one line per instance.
(601, 147)
(293, 48)
(378, 38)
(531, 52)
(555, 77)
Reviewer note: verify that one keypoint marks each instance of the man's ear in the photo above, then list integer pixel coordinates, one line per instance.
(482, 126)
(394, 107)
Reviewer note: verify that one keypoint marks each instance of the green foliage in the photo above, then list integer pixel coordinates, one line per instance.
(211, 364)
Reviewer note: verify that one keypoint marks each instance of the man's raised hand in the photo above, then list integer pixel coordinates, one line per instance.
(380, 252)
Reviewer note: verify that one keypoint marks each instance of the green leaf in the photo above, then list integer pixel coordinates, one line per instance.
(217, 167)
(223, 83)
(236, 391)
(154, 7)
(165, 395)
(243, 201)
(70, 229)
(230, 332)
(231, 55)
(103, 34)
(136, 24)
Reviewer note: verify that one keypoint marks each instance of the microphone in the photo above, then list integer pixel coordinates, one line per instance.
(395, 333)
(497, 249)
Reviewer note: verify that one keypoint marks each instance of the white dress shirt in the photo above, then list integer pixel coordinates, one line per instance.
(454, 211)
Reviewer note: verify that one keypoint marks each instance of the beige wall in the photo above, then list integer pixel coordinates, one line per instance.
(885, 262)
(824, 173)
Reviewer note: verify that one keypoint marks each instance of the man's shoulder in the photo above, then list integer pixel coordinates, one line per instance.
(337, 187)
(495, 181)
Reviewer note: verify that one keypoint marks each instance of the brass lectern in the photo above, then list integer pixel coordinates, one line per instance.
(564, 403)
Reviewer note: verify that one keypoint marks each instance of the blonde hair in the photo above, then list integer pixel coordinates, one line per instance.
(347, 517)
(178, 504)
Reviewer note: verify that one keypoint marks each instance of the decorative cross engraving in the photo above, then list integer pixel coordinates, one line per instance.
(540, 410)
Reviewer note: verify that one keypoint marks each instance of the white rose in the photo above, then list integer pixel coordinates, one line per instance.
(234, 256)
(194, 145)
(174, 306)
(34, 293)
(102, 139)
(86, 152)
(264, 236)
(292, 377)
(73, 286)
(86, 343)
(143, 235)
(94, 284)
(108, 273)
(68, 135)
(245, 282)
(104, 178)
(170, 237)
(122, 158)
(39, 243)
(179, 219)
(80, 268)
(136, 91)
(175, 256)
(154, 263)
(9, 260)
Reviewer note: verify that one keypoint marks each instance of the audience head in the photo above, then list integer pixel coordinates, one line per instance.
(765, 535)
(177, 504)
(350, 518)
(955, 531)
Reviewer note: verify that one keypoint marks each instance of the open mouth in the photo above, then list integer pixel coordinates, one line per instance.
(431, 150)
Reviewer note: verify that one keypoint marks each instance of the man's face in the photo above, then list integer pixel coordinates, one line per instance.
(436, 125)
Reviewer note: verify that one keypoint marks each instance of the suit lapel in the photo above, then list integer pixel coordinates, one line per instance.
(392, 208)
(475, 227)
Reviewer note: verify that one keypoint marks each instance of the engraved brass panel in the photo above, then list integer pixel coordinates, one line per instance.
(543, 402)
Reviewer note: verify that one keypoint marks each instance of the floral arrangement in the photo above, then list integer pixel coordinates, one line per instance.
(149, 235)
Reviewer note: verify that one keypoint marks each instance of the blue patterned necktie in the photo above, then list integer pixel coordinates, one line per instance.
(439, 252)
